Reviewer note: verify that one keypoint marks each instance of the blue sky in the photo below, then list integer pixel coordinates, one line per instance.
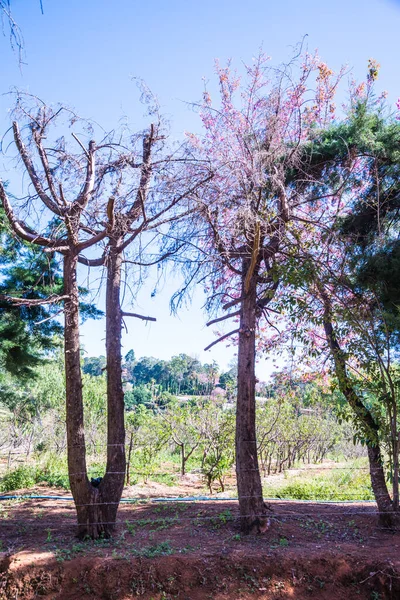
(85, 54)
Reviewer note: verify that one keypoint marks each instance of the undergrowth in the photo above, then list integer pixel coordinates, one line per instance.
(347, 484)
(352, 483)
(53, 471)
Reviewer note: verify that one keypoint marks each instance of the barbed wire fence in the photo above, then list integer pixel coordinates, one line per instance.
(281, 509)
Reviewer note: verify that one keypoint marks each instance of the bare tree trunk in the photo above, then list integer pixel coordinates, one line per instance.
(83, 492)
(110, 488)
(251, 504)
(96, 504)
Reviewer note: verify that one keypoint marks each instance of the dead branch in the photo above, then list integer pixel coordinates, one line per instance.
(156, 261)
(59, 312)
(136, 316)
(32, 302)
(47, 201)
(45, 164)
(234, 314)
(91, 241)
(223, 337)
(88, 186)
(20, 228)
(146, 172)
(231, 303)
(81, 145)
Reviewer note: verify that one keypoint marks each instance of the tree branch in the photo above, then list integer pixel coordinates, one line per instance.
(136, 316)
(156, 261)
(91, 241)
(221, 338)
(20, 228)
(46, 167)
(231, 303)
(145, 175)
(88, 186)
(32, 301)
(37, 184)
(235, 314)
(91, 262)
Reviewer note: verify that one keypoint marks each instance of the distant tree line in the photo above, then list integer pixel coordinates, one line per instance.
(182, 374)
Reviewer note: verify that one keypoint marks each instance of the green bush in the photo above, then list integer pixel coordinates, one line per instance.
(53, 479)
(53, 470)
(21, 477)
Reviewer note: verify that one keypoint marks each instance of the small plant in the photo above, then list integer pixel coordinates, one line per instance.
(130, 527)
(188, 548)
(225, 516)
(162, 549)
(283, 542)
(163, 523)
(222, 518)
(63, 554)
(49, 536)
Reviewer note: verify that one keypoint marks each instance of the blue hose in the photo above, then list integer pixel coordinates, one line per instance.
(183, 499)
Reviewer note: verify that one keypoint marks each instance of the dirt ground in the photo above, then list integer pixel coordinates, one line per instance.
(194, 550)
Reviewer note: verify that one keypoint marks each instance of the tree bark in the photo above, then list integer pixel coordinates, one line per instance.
(395, 446)
(96, 504)
(371, 428)
(111, 486)
(251, 504)
(379, 487)
(80, 485)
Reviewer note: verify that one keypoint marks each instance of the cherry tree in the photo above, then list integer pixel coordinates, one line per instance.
(253, 146)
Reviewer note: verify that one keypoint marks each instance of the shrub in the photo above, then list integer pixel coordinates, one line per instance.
(21, 477)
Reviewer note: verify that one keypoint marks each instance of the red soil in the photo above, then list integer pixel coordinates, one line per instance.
(193, 551)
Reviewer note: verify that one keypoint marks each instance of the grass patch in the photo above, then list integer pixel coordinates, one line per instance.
(165, 478)
(341, 485)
